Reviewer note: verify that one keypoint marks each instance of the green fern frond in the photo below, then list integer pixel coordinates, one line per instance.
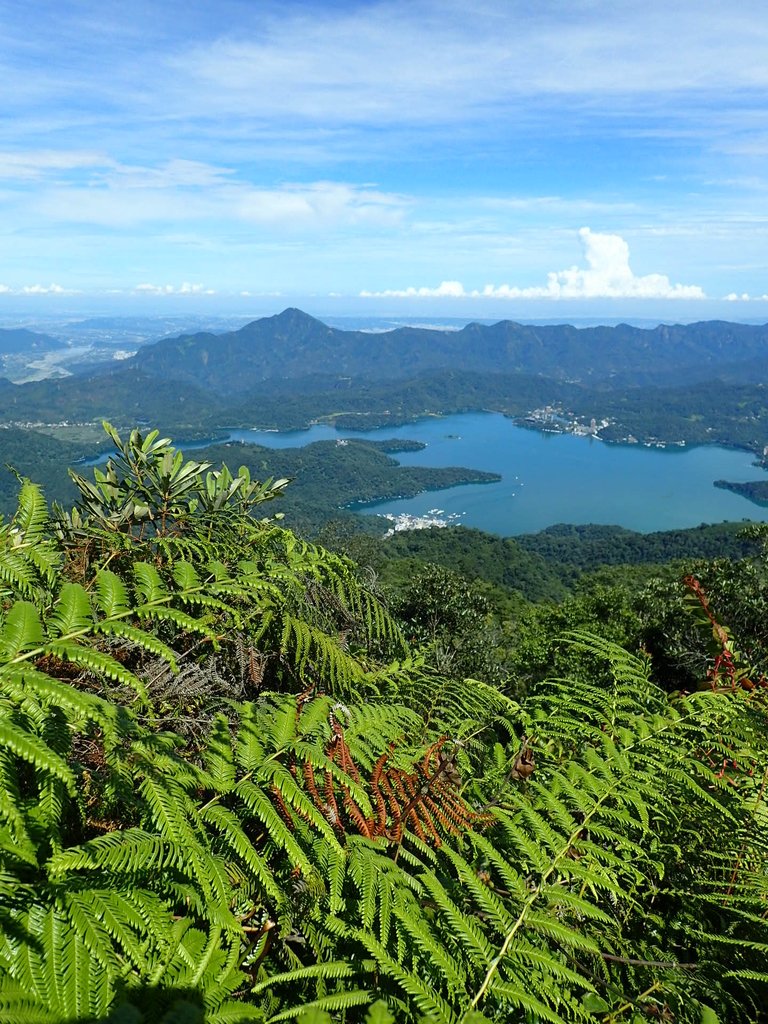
(340, 1001)
(128, 851)
(260, 806)
(72, 613)
(35, 752)
(98, 662)
(520, 997)
(333, 970)
(21, 630)
(141, 639)
(230, 833)
(16, 573)
(424, 996)
(21, 682)
(112, 594)
(148, 584)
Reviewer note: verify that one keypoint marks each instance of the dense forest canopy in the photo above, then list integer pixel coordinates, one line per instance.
(244, 778)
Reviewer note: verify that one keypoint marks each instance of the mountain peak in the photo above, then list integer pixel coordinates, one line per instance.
(294, 317)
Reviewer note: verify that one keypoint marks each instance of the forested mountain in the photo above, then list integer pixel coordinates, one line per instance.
(293, 344)
(542, 565)
(122, 392)
(18, 339)
(587, 547)
(33, 454)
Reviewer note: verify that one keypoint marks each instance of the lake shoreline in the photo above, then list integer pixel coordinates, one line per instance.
(540, 478)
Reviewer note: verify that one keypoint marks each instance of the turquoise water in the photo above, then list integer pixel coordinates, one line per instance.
(555, 478)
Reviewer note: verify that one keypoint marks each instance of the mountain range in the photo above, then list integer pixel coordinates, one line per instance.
(294, 345)
(701, 383)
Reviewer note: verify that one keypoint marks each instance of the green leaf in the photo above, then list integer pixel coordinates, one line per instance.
(379, 1013)
(594, 1003)
(708, 1015)
(314, 1017)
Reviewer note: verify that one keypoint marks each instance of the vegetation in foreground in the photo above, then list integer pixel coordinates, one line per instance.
(236, 786)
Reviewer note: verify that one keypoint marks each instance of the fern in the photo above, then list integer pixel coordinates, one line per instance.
(29, 557)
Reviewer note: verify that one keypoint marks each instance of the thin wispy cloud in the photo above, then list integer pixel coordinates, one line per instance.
(37, 164)
(140, 196)
(415, 61)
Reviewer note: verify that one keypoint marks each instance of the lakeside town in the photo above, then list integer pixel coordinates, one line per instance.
(554, 419)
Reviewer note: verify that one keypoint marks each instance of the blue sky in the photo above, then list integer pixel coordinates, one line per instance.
(494, 159)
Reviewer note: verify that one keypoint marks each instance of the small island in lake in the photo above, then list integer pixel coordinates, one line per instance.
(394, 445)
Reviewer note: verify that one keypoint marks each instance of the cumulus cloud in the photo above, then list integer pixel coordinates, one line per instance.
(168, 289)
(43, 289)
(37, 289)
(447, 289)
(607, 275)
(745, 297)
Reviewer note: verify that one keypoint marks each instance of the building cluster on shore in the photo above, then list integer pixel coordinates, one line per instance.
(41, 425)
(433, 517)
(555, 419)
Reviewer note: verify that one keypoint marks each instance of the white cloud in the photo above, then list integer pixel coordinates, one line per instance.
(168, 289)
(448, 289)
(425, 61)
(320, 203)
(33, 164)
(172, 174)
(37, 289)
(185, 191)
(745, 297)
(608, 275)
(42, 289)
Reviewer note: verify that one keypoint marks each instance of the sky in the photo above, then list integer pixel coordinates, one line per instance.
(555, 159)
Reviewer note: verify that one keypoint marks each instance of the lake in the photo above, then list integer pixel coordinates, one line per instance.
(554, 478)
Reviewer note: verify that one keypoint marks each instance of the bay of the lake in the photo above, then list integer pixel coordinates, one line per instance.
(554, 478)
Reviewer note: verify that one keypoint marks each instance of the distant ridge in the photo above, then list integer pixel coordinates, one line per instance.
(293, 345)
(15, 340)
